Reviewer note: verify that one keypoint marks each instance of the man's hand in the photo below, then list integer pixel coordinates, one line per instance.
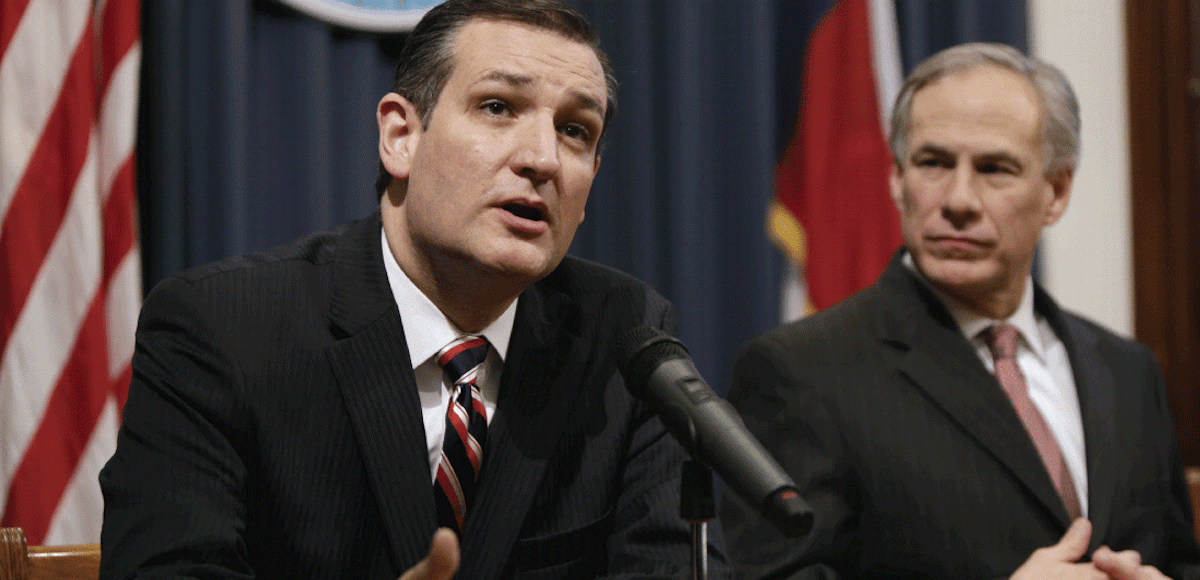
(1062, 559)
(442, 561)
(1125, 565)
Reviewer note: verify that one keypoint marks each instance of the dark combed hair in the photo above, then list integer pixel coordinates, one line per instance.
(428, 56)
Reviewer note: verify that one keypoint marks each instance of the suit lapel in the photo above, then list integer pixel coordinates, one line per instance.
(941, 363)
(372, 369)
(1096, 387)
(538, 388)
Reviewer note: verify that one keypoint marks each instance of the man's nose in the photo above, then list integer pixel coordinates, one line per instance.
(536, 156)
(962, 205)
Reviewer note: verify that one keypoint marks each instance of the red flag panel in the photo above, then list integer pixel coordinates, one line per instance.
(833, 212)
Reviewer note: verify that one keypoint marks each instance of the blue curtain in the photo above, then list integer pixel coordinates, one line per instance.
(257, 126)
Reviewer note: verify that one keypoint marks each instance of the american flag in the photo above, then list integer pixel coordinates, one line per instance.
(70, 271)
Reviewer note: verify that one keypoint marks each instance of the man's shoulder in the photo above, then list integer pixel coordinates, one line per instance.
(573, 268)
(1085, 332)
(851, 319)
(586, 280)
(1081, 332)
(295, 273)
(605, 296)
(314, 249)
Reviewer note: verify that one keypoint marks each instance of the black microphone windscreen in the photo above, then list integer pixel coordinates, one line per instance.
(640, 350)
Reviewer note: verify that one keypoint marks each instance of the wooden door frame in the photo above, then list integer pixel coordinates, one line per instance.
(1163, 96)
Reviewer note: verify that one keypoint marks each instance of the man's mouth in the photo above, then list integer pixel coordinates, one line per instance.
(957, 247)
(524, 211)
(955, 240)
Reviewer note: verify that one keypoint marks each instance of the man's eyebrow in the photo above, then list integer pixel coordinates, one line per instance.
(581, 99)
(998, 156)
(588, 102)
(507, 78)
(930, 148)
(985, 157)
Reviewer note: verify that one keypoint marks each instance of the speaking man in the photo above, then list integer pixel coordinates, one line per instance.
(318, 410)
(952, 421)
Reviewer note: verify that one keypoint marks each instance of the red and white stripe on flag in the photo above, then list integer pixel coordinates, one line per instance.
(832, 214)
(70, 271)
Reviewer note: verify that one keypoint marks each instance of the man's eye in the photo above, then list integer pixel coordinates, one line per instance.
(929, 162)
(495, 107)
(575, 132)
(990, 168)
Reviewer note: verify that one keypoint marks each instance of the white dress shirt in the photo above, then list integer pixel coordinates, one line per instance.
(1043, 360)
(427, 331)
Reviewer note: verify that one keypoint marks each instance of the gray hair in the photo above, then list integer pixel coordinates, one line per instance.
(1060, 109)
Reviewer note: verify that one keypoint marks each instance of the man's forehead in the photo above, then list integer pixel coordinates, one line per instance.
(492, 48)
(981, 90)
(979, 107)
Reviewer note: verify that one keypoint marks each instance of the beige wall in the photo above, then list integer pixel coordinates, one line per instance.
(1087, 257)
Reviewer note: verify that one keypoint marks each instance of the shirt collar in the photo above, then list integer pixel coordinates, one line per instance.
(971, 324)
(426, 329)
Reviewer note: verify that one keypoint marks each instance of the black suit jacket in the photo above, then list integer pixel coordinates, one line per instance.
(915, 461)
(274, 429)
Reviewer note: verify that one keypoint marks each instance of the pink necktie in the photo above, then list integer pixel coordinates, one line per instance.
(1001, 339)
(466, 432)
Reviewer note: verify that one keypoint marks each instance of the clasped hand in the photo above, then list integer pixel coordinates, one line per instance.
(1061, 561)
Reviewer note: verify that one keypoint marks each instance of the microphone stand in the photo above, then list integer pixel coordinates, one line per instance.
(696, 505)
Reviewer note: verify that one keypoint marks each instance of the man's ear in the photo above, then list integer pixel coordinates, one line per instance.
(1060, 190)
(399, 133)
(896, 184)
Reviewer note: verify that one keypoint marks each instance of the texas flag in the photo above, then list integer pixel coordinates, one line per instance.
(832, 214)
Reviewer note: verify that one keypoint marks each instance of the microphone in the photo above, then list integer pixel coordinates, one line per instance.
(658, 370)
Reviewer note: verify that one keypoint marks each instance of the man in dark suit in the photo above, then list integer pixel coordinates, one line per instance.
(289, 417)
(952, 421)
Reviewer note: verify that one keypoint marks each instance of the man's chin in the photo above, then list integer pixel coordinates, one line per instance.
(956, 273)
(522, 262)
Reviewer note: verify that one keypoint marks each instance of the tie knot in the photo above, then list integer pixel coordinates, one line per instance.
(1001, 339)
(462, 356)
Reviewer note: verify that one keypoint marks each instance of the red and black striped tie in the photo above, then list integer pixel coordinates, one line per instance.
(466, 431)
